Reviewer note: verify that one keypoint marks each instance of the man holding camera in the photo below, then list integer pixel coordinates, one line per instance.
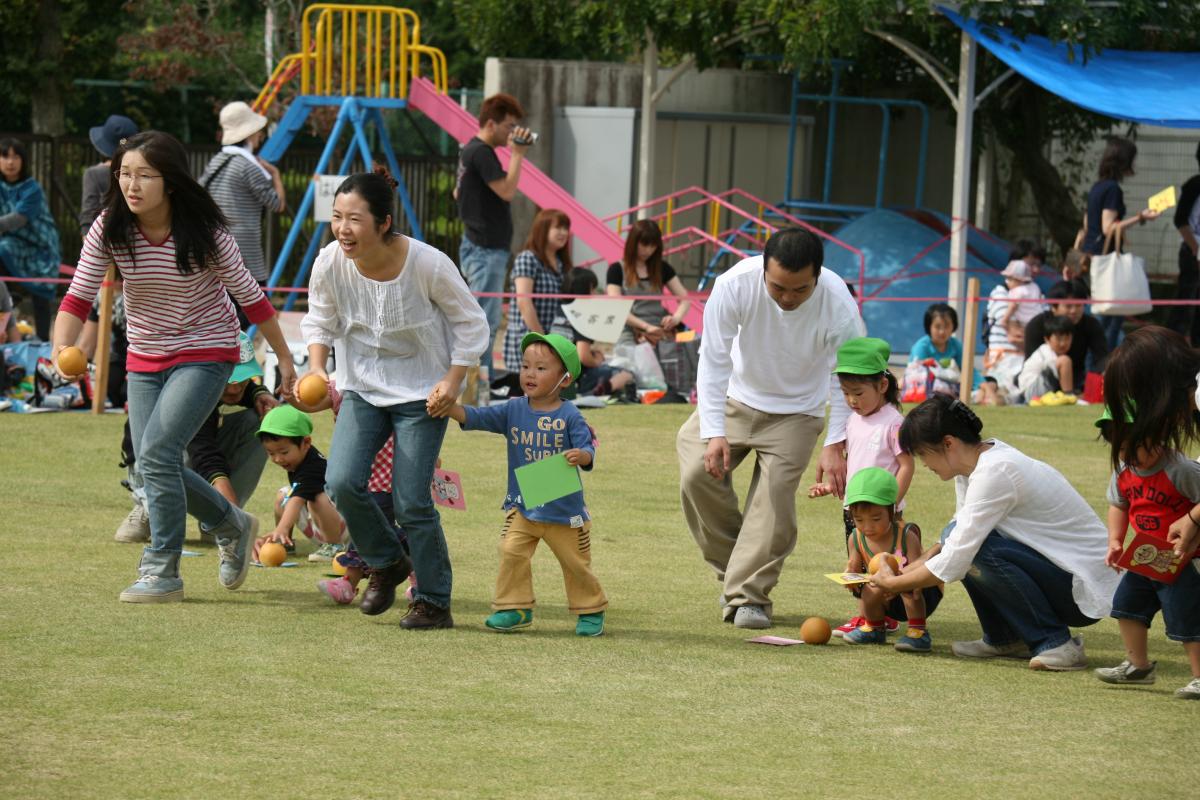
(484, 191)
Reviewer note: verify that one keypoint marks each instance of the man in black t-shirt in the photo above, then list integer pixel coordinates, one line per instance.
(483, 191)
(1089, 348)
(1184, 319)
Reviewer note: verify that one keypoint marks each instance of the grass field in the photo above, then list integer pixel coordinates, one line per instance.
(271, 691)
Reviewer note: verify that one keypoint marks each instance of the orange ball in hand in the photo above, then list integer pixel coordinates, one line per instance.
(72, 361)
(815, 630)
(892, 562)
(312, 389)
(271, 554)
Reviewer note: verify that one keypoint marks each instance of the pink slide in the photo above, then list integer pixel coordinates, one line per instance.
(534, 184)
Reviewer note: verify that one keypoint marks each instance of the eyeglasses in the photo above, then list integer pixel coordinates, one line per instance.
(131, 179)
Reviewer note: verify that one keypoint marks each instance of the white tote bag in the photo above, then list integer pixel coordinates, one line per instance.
(1119, 276)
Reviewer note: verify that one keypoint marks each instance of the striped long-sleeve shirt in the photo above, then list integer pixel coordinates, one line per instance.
(171, 318)
(242, 190)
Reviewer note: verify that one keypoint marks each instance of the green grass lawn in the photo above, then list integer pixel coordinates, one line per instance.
(273, 692)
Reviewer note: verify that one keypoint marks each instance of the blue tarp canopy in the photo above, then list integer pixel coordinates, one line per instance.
(1154, 88)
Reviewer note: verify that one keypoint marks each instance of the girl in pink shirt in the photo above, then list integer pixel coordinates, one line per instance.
(169, 243)
(873, 429)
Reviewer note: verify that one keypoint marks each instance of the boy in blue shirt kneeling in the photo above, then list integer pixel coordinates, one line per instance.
(537, 426)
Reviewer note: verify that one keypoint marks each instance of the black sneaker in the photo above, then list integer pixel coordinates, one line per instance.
(424, 616)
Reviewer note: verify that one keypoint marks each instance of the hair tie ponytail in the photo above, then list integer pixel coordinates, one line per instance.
(383, 172)
(966, 415)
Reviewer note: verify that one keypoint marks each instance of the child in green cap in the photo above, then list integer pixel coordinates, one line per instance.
(872, 431)
(286, 435)
(871, 495)
(537, 426)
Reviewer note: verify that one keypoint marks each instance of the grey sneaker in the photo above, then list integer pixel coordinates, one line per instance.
(1126, 672)
(235, 553)
(1189, 692)
(154, 589)
(135, 527)
(751, 616)
(1067, 657)
(981, 649)
(325, 553)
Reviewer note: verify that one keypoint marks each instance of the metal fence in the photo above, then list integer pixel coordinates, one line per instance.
(58, 164)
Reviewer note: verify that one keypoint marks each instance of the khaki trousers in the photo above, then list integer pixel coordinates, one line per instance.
(747, 550)
(573, 549)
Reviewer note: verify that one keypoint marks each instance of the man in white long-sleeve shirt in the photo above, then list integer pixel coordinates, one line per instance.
(772, 327)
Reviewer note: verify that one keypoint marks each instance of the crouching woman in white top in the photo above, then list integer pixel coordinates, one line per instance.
(406, 329)
(1027, 547)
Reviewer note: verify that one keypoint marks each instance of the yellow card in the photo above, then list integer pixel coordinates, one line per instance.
(848, 578)
(685, 336)
(1163, 200)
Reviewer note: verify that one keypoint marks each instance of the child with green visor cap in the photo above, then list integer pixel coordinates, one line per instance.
(871, 496)
(872, 431)
(537, 426)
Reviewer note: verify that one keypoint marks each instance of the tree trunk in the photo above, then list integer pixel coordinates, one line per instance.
(1028, 141)
(46, 112)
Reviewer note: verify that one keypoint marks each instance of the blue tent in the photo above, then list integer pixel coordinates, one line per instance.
(1154, 88)
(907, 255)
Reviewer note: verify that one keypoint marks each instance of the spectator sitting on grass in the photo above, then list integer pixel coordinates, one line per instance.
(1089, 349)
(938, 343)
(597, 377)
(1049, 370)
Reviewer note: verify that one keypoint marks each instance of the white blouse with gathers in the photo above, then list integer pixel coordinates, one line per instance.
(395, 339)
(1030, 502)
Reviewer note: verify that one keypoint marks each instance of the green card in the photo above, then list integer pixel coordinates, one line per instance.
(549, 479)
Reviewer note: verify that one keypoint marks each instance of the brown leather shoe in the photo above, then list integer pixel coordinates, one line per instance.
(422, 616)
(381, 587)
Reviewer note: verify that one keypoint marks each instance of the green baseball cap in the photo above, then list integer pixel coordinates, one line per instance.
(247, 367)
(286, 420)
(559, 344)
(872, 485)
(863, 356)
(1106, 416)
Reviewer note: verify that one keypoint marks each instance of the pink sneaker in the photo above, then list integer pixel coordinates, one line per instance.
(891, 624)
(339, 590)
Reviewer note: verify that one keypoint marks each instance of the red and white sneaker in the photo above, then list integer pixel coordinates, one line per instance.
(339, 590)
(855, 622)
(849, 625)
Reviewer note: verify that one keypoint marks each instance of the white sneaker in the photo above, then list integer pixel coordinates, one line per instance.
(1189, 692)
(981, 649)
(1067, 657)
(135, 527)
(751, 616)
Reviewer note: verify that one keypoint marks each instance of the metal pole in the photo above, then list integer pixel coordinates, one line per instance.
(646, 138)
(960, 211)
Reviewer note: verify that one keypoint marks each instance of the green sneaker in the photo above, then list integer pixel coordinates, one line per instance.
(510, 619)
(590, 624)
(325, 553)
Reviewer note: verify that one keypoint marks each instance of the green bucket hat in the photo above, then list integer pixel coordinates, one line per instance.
(247, 367)
(863, 356)
(286, 420)
(559, 344)
(872, 485)
(1106, 416)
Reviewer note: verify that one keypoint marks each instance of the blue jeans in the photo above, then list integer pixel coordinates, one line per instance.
(361, 430)
(1019, 594)
(165, 411)
(1113, 330)
(485, 268)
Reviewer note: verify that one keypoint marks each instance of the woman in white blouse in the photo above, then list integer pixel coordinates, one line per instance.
(1027, 547)
(406, 328)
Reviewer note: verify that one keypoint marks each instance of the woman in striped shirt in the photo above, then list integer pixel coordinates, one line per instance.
(180, 267)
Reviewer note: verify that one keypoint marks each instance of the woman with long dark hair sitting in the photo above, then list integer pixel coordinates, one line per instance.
(1027, 547)
(180, 266)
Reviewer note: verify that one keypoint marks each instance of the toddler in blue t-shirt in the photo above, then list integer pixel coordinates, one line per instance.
(537, 426)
